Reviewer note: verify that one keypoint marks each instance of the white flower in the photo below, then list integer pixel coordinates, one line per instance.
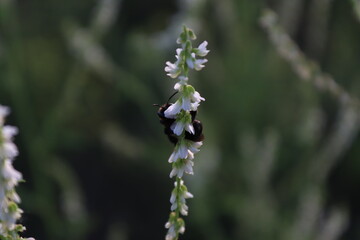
(194, 100)
(8, 149)
(195, 97)
(184, 209)
(186, 167)
(182, 82)
(171, 235)
(9, 132)
(190, 128)
(173, 206)
(172, 69)
(180, 151)
(173, 196)
(4, 111)
(190, 61)
(186, 103)
(12, 177)
(178, 127)
(194, 146)
(199, 64)
(194, 106)
(173, 110)
(202, 51)
(9, 218)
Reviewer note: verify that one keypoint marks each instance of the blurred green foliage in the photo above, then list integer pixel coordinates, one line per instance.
(280, 159)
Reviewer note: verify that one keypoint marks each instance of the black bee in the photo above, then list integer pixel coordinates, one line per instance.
(167, 122)
(198, 136)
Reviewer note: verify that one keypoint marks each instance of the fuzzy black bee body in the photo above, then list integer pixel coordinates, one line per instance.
(167, 122)
(198, 136)
(161, 114)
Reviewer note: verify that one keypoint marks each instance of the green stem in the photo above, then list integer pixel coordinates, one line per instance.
(177, 212)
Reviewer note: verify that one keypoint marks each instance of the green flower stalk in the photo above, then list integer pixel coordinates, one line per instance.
(187, 130)
(10, 213)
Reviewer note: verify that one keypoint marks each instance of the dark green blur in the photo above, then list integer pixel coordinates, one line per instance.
(280, 160)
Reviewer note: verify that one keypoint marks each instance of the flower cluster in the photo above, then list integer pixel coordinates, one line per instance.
(175, 224)
(188, 130)
(182, 157)
(9, 178)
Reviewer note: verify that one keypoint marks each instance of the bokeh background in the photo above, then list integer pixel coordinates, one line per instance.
(281, 155)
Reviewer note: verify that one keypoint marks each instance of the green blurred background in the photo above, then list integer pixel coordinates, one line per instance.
(280, 159)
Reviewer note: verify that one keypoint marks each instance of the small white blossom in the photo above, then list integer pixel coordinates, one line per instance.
(4, 111)
(9, 132)
(189, 101)
(202, 51)
(171, 232)
(199, 64)
(190, 61)
(180, 151)
(186, 103)
(7, 148)
(190, 128)
(173, 110)
(182, 81)
(186, 166)
(179, 125)
(194, 63)
(195, 97)
(172, 69)
(11, 176)
(194, 146)
(194, 106)
(194, 100)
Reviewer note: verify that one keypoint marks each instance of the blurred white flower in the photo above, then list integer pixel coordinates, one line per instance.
(186, 166)
(180, 151)
(171, 234)
(199, 64)
(10, 213)
(179, 125)
(11, 176)
(201, 50)
(173, 109)
(172, 69)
